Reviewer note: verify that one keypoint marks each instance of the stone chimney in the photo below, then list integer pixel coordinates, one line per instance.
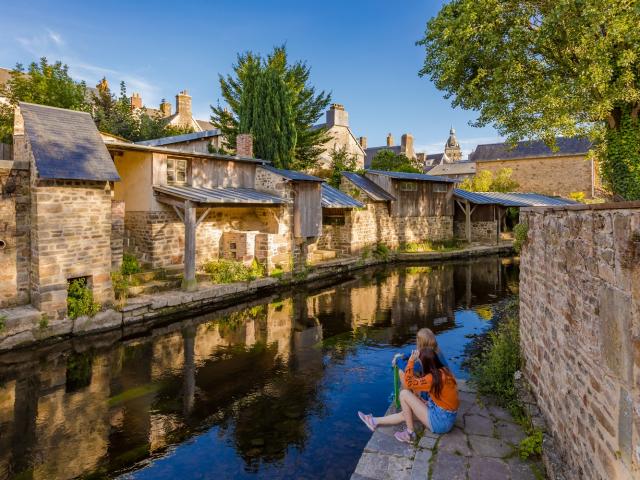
(363, 142)
(165, 108)
(136, 101)
(244, 145)
(389, 140)
(183, 105)
(336, 115)
(406, 145)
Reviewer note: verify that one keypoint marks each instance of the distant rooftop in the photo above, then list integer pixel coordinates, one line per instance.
(66, 144)
(531, 149)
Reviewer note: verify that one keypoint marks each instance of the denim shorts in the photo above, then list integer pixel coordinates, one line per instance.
(441, 420)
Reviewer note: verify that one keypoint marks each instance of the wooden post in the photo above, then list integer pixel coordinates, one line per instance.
(499, 222)
(467, 211)
(189, 280)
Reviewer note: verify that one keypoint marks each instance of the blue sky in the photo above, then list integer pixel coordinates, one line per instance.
(363, 51)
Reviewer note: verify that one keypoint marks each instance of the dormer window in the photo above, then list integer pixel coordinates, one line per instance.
(176, 171)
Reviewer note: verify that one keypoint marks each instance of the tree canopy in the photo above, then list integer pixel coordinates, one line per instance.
(341, 161)
(114, 115)
(541, 69)
(273, 100)
(42, 83)
(390, 161)
(485, 181)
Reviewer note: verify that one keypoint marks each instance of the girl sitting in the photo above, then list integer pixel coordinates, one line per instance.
(439, 414)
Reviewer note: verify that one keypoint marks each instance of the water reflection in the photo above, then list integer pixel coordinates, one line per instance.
(263, 389)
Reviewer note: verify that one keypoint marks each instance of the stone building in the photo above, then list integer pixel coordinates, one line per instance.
(398, 208)
(537, 168)
(340, 137)
(452, 153)
(57, 208)
(183, 116)
(405, 148)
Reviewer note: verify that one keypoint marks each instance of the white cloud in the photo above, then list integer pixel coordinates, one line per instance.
(52, 45)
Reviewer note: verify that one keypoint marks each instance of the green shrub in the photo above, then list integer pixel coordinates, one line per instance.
(531, 446)
(494, 370)
(44, 321)
(230, 271)
(3, 321)
(520, 234)
(277, 272)
(432, 246)
(121, 284)
(129, 265)
(80, 299)
(381, 252)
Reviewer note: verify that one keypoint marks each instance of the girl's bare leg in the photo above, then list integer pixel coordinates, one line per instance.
(393, 419)
(412, 405)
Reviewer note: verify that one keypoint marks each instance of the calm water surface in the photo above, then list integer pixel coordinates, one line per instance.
(267, 389)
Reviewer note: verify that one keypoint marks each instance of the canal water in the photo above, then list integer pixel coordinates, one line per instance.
(267, 389)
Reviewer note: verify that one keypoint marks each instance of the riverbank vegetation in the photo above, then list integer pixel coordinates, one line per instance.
(230, 271)
(80, 299)
(495, 368)
(432, 246)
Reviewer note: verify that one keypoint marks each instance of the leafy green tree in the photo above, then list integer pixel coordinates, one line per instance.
(393, 162)
(43, 83)
(485, 181)
(341, 161)
(114, 115)
(272, 100)
(539, 69)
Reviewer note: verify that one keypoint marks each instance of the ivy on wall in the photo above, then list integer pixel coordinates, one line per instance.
(620, 167)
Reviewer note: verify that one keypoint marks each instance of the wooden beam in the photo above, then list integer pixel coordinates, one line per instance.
(169, 200)
(179, 213)
(203, 216)
(189, 279)
(468, 219)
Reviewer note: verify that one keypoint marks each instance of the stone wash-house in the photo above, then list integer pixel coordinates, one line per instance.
(399, 208)
(185, 208)
(57, 210)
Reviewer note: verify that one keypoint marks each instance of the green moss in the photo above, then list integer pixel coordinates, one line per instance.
(432, 246)
(3, 321)
(44, 321)
(531, 446)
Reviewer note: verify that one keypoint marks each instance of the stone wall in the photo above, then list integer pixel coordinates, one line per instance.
(550, 176)
(70, 238)
(14, 233)
(157, 238)
(117, 233)
(481, 231)
(580, 334)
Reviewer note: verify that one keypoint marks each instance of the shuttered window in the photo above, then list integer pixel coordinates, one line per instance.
(176, 171)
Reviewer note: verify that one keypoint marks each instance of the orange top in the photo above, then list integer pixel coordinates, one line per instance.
(448, 395)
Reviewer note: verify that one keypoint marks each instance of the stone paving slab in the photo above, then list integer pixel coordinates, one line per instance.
(481, 447)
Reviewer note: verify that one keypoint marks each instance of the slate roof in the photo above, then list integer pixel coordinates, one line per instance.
(537, 148)
(420, 177)
(456, 168)
(173, 151)
(292, 174)
(511, 199)
(435, 157)
(213, 196)
(186, 137)
(334, 198)
(371, 152)
(373, 190)
(206, 125)
(66, 144)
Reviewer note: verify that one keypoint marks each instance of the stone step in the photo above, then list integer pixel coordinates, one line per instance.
(322, 255)
(154, 286)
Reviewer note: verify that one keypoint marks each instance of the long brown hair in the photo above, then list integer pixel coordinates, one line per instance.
(431, 364)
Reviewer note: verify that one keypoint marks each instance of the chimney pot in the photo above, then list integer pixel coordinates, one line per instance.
(406, 145)
(363, 142)
(389, 140)
(337, 115)
(165, 108)
(183, 107)
(244, 145)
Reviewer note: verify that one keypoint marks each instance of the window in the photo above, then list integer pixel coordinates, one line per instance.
(176, 171)
(408, 186)
(333, 220)
(440, 188)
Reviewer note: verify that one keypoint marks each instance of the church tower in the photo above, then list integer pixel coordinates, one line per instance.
(452, 148)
